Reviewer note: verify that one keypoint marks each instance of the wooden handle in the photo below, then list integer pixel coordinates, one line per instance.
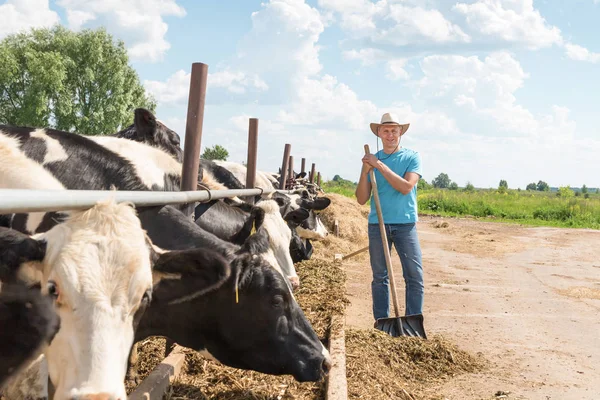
(386, 249)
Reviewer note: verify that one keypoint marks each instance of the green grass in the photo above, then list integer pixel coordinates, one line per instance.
(524, 207)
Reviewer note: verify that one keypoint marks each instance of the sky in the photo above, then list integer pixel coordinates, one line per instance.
(492, 89)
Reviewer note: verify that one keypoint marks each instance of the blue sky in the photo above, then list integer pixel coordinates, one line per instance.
(493, 89)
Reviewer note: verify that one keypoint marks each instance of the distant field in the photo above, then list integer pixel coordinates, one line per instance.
(525, 207)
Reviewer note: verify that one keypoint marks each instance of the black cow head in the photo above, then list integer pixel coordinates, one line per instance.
(147, 129)
(251, 321)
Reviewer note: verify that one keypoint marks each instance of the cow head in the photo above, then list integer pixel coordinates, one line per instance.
(147, 129)
(251, 321)
(279, 236)
(311, 227)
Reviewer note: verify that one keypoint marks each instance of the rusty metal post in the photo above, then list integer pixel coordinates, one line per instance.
(193, 131)
(252, 151)
(284, 165)
(291, 169)
(312, 173)
(303, 165)
(319, 179)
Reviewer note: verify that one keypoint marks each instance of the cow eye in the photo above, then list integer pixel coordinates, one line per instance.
(277, 301)
(52, 289)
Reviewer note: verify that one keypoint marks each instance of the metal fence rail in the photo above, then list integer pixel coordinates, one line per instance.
(33, 200)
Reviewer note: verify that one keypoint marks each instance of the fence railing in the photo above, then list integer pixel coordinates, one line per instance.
(33, 200)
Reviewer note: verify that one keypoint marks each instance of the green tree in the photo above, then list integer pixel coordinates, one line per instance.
(423, 184)
(531, 186)
(442, 181)
(74, 81)
(216, 152)
(453, 186)
(565, 191)
(584, 189)
(543, 186)
(469, 187)
(503, 184)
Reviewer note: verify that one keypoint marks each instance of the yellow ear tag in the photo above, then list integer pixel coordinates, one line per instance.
(236, 293)
(253, 231)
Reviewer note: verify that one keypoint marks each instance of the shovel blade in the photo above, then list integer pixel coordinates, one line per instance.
(409, 325)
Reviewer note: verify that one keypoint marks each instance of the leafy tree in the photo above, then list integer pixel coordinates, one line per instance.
(565, 191)
(74, 81)
(469, 187)
(531, 186)
(584, 189)
(453, 186)
(543, 186)
(503, 184)
(442, 181)
(423, 185)
(216, 152)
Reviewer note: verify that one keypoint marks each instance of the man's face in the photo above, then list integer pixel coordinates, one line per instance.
(390, 135)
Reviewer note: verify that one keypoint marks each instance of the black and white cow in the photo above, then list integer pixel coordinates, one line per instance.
(252, 321)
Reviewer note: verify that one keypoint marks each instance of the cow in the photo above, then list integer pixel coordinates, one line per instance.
(252, 321)
(61, 160)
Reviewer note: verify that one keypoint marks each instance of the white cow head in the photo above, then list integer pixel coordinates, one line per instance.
(98, 269)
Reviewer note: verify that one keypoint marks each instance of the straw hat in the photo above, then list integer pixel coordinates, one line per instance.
(389, 119)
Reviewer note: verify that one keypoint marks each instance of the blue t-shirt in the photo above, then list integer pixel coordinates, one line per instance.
(396, 207)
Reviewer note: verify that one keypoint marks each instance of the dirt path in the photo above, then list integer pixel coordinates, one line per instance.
(528, 299)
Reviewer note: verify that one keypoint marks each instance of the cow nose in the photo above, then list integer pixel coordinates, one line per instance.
(96, 396)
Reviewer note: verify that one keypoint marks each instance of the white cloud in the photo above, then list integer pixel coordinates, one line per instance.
(580, 53)
(18, 15)
(386, 22)
(139, 25)
(325, 101)
(514, 21)
(486, 86)
(395, 69)
(236, 82)
(367, 56)
(174, 90)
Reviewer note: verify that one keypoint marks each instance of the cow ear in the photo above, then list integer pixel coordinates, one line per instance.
(321, 203)
(183, 275)
(145, 122)
(296, 216)
(300, 175)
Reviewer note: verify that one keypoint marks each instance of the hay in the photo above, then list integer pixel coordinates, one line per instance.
(321, 295)
(352, 222)
(351, 217)
(379, 366)
(151, 352)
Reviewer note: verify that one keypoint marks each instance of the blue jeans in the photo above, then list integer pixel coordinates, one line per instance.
(405, 240)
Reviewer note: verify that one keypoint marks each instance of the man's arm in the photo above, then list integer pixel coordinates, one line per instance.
(363, 190)
(402, 184)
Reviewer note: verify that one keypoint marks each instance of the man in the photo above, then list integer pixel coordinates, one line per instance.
(397, 172)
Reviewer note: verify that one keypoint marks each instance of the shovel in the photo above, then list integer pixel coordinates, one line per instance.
(409, 325)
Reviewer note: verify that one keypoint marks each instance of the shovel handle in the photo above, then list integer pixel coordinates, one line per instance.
(386, 249)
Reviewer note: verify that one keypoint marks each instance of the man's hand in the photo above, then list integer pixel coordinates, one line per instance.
(369, 161)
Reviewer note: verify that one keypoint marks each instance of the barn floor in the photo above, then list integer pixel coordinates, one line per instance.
(527, 298)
